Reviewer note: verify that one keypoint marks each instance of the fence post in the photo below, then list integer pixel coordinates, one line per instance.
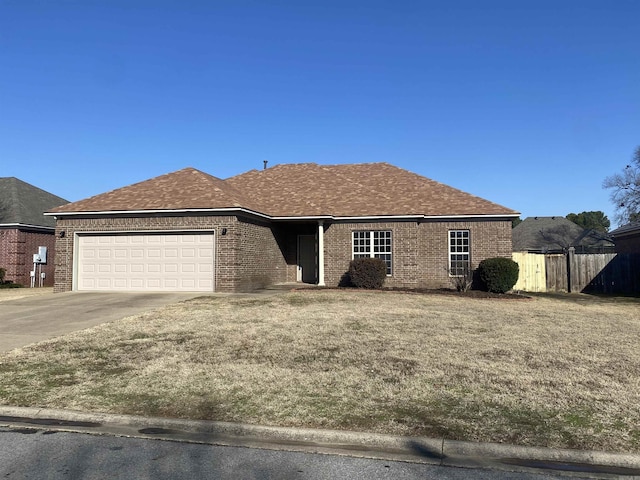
(571, 252)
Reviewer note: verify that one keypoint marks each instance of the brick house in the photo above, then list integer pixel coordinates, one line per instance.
(24, 228)
(627, 238)
(188, 230)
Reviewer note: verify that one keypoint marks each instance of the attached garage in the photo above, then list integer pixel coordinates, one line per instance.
(146, 262)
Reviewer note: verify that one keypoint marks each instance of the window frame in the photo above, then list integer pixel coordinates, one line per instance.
(452, 235)
(373, 244)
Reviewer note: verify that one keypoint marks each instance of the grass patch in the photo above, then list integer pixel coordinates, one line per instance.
(547, 371)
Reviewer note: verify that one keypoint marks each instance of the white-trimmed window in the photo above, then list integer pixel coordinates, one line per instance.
(459, 252)
(374, 244)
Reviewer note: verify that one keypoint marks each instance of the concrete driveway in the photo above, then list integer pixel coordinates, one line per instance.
(38, 317)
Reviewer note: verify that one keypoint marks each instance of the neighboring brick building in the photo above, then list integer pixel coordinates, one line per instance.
(24, 228)
(627, 238)
(188, 230)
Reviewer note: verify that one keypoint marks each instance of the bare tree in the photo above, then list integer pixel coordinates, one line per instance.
(559, 237)
(625, 190)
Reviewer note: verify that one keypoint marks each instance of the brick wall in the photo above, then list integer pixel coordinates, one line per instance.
(17, 247)
(253, 254)
(628, 243)
(243, 246)
(8, 249)
(420, 250)
(263, 255)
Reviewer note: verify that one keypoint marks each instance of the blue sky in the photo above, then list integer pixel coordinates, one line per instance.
(530, 104)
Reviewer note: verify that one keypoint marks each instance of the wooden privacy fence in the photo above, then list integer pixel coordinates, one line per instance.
(533, 275)
(572, 272)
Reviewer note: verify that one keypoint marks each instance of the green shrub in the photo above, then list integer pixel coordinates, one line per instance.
(10, 284)
(498, 275)
(367, 272)
(3, 272)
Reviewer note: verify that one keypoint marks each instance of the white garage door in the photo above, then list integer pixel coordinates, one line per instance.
(167, 262)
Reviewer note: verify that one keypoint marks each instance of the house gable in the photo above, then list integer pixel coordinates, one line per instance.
(185, 189)
(22, 204)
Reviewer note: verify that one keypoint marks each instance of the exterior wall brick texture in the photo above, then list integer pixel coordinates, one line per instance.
(253, 254)
(262, 261)
(628, 243)
(236, 251)
(420, 250)
(17, 247)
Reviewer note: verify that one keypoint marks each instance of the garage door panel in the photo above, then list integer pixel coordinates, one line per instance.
(166, 262)
(170, 268)
(154, 268)
(136, 268)
(187, 268)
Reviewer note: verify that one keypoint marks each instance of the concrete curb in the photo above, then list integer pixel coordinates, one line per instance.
(432, 451)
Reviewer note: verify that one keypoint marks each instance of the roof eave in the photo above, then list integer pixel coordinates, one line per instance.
(395, 217)
(26, 225)
(156, 211)
(625, 234)
(282, 217)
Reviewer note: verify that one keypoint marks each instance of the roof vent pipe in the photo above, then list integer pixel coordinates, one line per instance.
(265, 164)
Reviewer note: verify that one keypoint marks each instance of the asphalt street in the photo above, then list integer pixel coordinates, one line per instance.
(27, 453)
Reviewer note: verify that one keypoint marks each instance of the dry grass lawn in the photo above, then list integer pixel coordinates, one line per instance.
(16, 293)
(559, 372)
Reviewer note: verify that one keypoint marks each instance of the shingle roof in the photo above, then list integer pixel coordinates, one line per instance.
(185, 189)
(295, 190)
(554, 233)
(366, 189)
(633, 227)
(22, 203)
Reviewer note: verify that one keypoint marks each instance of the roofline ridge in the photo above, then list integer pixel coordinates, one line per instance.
(17, 181)
(295, 164)
(353, 164)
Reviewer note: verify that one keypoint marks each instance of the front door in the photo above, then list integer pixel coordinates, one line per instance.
(307, 259)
